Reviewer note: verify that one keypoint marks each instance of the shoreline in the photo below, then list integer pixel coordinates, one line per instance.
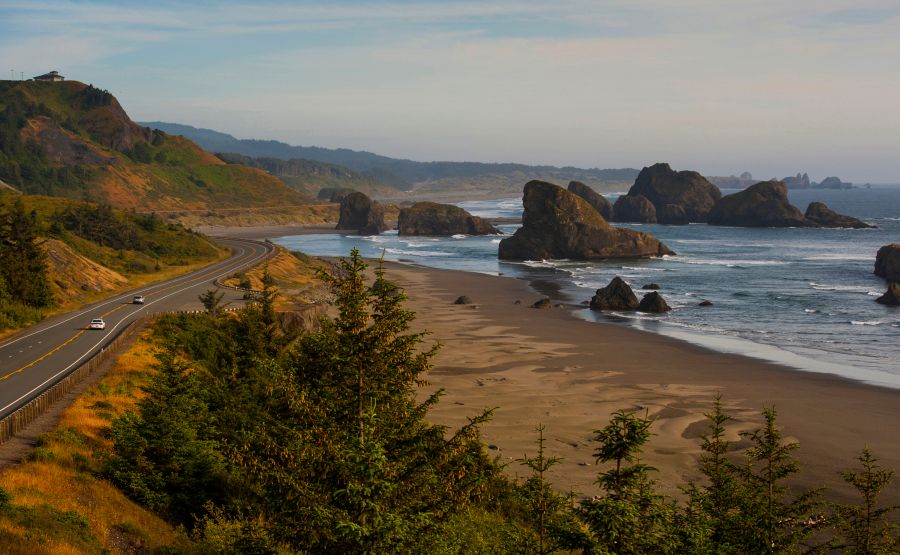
(555, 368)
(551, 367)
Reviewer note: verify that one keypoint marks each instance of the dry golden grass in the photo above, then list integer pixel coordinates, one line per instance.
(60, 479)
(286, 269)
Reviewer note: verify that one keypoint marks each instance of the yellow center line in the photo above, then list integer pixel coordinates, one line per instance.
(79, 334)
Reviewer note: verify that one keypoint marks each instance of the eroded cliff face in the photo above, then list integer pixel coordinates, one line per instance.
(559, 224)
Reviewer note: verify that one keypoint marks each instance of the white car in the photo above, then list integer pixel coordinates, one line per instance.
(97, 324)
(138, 299)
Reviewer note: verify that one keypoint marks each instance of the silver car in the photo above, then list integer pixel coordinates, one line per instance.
(97, 324)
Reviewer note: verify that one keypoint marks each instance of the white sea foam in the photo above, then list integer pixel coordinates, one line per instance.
(496, 241)
(458, 236)
(841, 288)
(866, 322)
(810, 310)
(417, 253)
(731, 263)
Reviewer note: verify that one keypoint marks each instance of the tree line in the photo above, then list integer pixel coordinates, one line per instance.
(24, 285)
(259, 440)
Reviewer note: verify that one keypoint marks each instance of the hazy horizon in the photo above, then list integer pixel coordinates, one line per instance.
(769, 88)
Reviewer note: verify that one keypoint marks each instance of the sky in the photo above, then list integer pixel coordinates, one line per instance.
(718, 86)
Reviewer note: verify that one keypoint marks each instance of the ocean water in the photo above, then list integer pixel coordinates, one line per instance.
(801, 297)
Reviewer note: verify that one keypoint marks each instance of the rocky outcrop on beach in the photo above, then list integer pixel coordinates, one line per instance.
(431, 218)
(361, 214)
(887, 262)
(892, 296)
(615, 296)
(762, 205)
(559, 224)
(820, 214)
(594, 198)
(653, 303)
(678, 197)
(634, 208)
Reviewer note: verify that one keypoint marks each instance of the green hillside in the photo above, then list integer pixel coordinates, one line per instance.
(59, 253)
(75, 140)
(311, 176)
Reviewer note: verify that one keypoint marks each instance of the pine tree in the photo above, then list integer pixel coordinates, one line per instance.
(712, 514)
(546, 506)
(772, 521)
(630, 518)
(22, 261)
(865, 529)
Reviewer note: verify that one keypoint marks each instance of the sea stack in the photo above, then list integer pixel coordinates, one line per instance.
(361, 214)
(594, 198)
(559, 224)
(887, 262)
(677, 197)
(819, 213)
(762, 205)
(431, 218)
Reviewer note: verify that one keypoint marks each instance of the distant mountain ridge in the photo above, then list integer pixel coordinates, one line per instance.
(400, 173)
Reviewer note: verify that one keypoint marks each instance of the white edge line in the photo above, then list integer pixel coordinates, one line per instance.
(64, 370)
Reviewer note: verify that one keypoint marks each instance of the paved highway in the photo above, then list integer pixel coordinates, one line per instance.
(34, 359)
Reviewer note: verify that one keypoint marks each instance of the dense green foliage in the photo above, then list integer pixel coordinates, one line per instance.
(262, 441)
(24, 287)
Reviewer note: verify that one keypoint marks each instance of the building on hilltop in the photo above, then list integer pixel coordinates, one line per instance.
(52, 76)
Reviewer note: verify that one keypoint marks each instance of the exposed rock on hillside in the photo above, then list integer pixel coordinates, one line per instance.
(637, 208)
(594, 198)
(61, 146)
(615, 296)
(887, 262)
(891, 297)
(762, 205)
(653, 303)
(663, 186)
(820, 214)
(73, 275)
(362, 214)
(560, 224)
(431, 218)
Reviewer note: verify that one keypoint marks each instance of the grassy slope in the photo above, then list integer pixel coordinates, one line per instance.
(176, 173)
(171, 250)
(59, 504)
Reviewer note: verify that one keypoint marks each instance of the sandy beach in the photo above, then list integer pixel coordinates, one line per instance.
(548, 366)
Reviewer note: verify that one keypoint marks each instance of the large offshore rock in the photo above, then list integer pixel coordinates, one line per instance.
(636, 208)
(672, 214)
(431, 218)
(361, 214)
(818, 212)
(762, 205)
(663, 186)
(615, 296)
(594, 198)
(887, 262)
(560, 224)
